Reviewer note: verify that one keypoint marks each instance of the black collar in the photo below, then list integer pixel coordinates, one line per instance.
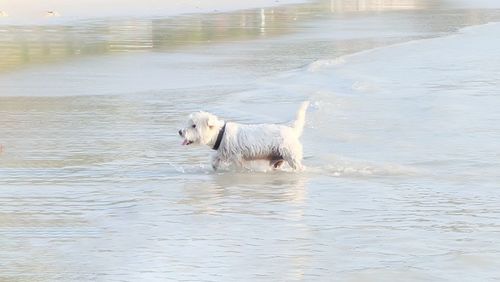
(219, 137)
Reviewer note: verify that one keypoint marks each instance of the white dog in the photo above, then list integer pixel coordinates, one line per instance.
(236, 143)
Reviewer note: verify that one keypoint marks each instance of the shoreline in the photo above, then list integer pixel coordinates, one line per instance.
(49, 52)
(59, 12)
(32, 45)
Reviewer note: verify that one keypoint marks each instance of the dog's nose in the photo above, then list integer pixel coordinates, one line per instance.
(180, 132)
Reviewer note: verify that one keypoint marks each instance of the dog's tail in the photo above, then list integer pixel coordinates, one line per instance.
(300, 120)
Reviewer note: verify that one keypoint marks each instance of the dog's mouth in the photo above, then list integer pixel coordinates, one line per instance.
(187, 142)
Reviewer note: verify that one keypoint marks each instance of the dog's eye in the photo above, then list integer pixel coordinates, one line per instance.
(193, 126)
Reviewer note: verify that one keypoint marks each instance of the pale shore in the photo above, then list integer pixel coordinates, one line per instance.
(57, 11)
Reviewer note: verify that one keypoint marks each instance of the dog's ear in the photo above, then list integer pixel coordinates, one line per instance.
(211, 121)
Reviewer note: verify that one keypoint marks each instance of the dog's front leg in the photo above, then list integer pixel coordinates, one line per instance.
(239, 162)
(216, 162)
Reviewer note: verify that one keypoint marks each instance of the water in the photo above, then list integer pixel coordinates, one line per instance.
(400, 143)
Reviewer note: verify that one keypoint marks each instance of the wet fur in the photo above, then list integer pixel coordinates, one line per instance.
(248, 142)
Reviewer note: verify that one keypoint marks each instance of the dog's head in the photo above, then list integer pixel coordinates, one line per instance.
(202, 128)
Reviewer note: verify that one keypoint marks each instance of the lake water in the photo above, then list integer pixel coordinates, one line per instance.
(401, 145)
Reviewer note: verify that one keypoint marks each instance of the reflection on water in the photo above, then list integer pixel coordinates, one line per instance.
(34, 44)
(337, 6)
(22, 45)
(25, 45)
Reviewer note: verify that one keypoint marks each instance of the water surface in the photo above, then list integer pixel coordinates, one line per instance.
(400, 146)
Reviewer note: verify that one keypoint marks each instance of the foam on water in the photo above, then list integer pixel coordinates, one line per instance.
(422, 101)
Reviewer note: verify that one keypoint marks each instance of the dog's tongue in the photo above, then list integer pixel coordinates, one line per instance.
(184, 142)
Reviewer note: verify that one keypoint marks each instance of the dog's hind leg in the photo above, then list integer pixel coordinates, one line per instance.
(276, 164)
(293, 155)
(295, 164)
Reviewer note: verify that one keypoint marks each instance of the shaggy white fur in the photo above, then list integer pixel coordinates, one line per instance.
(241, 143)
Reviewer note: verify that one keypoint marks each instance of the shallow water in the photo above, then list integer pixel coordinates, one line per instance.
(400, 144)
